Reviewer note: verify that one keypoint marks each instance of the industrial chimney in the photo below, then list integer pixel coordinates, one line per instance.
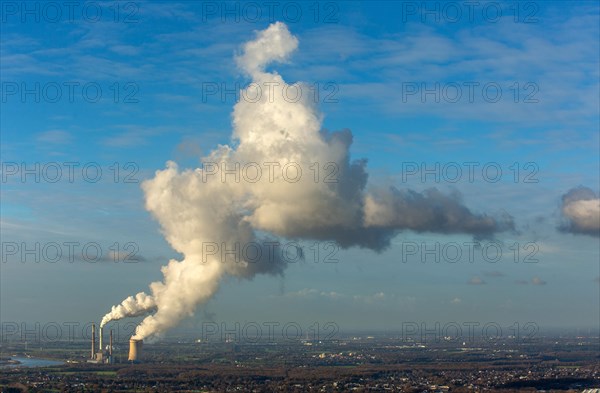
(135, 350)
(101, 348)
(110, 345)
(93, 341)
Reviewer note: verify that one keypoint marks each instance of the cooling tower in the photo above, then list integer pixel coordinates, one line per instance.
(135, 350)
(93, 341)
(110, 345)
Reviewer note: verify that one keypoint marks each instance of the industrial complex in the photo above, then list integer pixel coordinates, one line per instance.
(104, 354)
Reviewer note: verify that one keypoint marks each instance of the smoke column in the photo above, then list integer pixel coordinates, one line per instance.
(208, 206)
(131, 307)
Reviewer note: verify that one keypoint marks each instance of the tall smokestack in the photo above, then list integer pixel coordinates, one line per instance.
(135, 349)
(93, 340)
(110, 345)
(101, 348)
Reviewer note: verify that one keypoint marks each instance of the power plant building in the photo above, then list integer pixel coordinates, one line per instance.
(103, 354)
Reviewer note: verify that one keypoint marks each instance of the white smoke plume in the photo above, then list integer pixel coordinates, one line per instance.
(209, 206)
(581, 211)
(130, 307)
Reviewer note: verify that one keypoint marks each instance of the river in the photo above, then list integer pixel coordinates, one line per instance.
(32, 362)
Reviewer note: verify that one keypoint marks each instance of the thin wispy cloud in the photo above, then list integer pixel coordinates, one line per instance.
(55, 137)
(476, 280)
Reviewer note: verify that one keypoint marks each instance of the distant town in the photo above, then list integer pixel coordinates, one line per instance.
(348, 362)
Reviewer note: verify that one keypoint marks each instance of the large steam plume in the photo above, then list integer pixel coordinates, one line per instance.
(207, 206)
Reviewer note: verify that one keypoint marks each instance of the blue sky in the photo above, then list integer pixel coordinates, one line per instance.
(363, 58)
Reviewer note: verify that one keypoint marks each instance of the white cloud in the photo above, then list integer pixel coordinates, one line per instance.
(374, 298)
(311, 293)
(475, 280)
(537, 281)
(581, 209)
(58, 137)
